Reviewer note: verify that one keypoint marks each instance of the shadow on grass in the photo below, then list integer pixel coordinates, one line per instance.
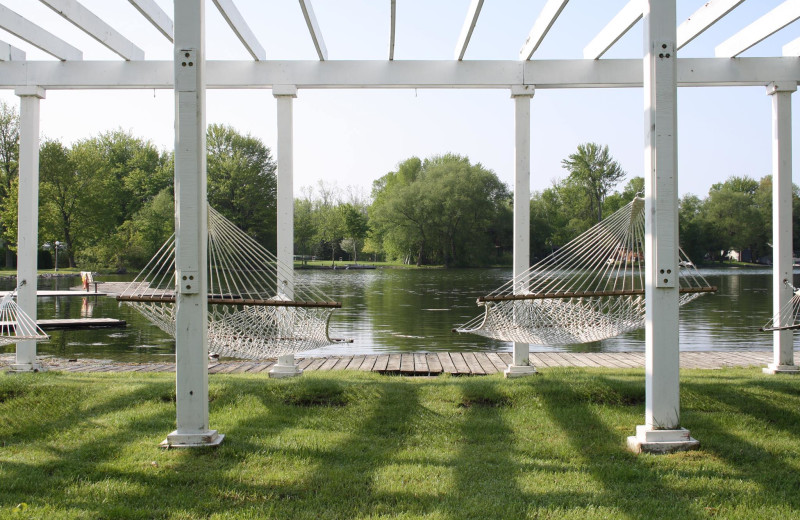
(625, 478)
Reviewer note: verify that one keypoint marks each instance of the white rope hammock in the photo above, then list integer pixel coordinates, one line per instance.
(15, 324)
(249, 316)
(590, 289)
(788, 318)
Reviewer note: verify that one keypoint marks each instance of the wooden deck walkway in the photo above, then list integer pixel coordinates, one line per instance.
(456, 363)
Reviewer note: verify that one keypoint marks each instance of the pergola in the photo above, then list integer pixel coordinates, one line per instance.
(660, 74)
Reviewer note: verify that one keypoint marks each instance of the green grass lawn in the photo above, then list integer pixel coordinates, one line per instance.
(361, 445)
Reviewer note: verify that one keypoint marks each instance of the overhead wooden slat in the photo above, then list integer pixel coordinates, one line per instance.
(313, 28)
(156, 16)
(757, 31)
(547, 17)
(616, 29)
(239, 26)
(91, 24)
(792, 48)
(36, 36)
(393, 9)
(10, 53)
(473, 12)
(709, 14)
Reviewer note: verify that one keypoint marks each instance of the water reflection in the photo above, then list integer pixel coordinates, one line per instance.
(414, 310)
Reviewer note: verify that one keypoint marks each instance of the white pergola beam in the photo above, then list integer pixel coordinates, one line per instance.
(547, 17)
(239, 26)
(616, 29)
(792, 48)
(36, 36)
(156, 16)
(709, 14)
(91, 24)
(473, 12)
(392, 23)
(494, 74)
(313, 28)
(759, 30)
(10, 53)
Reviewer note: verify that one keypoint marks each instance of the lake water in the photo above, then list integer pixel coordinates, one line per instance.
(395, 310)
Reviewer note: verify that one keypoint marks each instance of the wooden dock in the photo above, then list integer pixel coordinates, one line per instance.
(455, 363)
(69, 292)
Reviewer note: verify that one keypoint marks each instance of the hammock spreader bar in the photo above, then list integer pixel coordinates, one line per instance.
(234, 301)
(587, 294)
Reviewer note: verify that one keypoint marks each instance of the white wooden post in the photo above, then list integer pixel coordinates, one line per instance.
(285, 94)
(661, 432)
(522, 94)
(28, 218)
(191, 231)
(783, 354)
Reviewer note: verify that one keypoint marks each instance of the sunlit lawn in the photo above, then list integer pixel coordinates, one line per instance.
(361, 445)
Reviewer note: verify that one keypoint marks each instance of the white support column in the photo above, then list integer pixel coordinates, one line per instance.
(191, 231)
(28, 218)
(661, 432)
(783, 358)
(522, 94)
(285, 94)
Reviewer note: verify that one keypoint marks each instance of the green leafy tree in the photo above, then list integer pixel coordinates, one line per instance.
(63, 192)
(733, 215)
(355, 227)
(9, 169)
(242, 184)
(594, 170)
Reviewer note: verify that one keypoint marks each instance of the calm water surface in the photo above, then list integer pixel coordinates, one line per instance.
(393, 310)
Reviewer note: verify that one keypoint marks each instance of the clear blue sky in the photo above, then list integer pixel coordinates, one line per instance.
(353, 137)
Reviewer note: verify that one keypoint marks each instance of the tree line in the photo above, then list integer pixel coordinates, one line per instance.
(109, 200)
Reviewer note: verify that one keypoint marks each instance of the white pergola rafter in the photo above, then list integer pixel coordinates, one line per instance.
(616, 29)
(709, 14)
(91, 24)
(547, 17)
(239, 26)
(156, 16)
(36, 36)
(473, 12)
(759, 30)
(392, 23)
(10, 53)
(313, 28)
(792, 48)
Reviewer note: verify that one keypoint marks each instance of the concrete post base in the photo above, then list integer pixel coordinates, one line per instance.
(772, 368)
(192, 440)
(661, 441)
(519, 371)
(285, 367)
(22, 368)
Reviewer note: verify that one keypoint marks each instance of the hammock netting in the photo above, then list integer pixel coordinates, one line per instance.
(249, 315)
(15, 324)
(589, 290)
(788, 318)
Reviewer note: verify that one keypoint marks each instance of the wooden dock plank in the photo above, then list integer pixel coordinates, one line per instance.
(459, 363)
(507, 357)
(314, 366)
(369, 362)
(472, 363)
(381, 363)
(577, 360)
(303, 363)
(497, 361)
(447, 362)
(394, 363)
(329, 363)
(605, 360)
(407, 363)
(546, 360)
(485, 363)
(421, 364)
(264, 366)
(342, 363)
(355, 363)
(434, 365)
